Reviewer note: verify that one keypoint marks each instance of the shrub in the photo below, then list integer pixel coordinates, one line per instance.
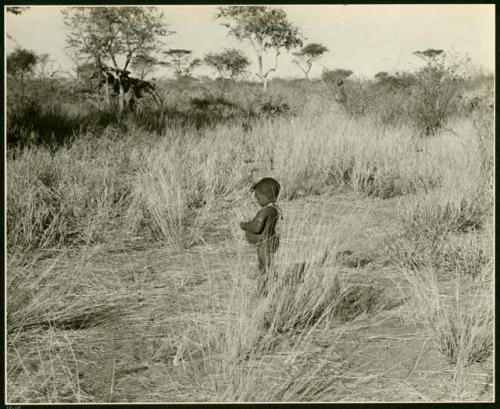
(435, 96)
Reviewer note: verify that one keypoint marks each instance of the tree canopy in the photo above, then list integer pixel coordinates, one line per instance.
(144, 64)
(429, 53)
(181, 62)
(114, 35)
(265, 28)
(307, 55)
(230, 63)
(21, 61)
(17, 9)
(337, 75)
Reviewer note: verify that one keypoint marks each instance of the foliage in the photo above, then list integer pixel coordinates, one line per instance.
(144, 65)
(87, 73)
(430, 53)
(16, 10)
(114, 36)
(307, 55)
(181, 62)
(230, 63)
(338, 74)
(436, 92)
(21, 62)
(265, 28)
(107, 34)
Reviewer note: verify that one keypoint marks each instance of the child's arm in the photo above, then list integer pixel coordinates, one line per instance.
(256, 225)
(253, 238)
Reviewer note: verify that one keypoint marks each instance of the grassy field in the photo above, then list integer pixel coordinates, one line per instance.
(128, 279)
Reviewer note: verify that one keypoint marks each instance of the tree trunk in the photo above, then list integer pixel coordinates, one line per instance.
(106, 92)
(265, 81)
(261, 75)
(121, 97)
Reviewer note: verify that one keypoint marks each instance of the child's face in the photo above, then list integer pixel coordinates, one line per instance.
(261, 198)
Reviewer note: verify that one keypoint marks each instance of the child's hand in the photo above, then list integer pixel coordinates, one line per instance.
(243, 225)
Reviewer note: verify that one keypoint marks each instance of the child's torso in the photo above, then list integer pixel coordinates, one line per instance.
(269, 234)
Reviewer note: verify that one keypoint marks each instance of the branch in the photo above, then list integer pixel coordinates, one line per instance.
(300, 66)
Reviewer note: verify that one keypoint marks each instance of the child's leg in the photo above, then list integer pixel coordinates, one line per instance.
(263, 264)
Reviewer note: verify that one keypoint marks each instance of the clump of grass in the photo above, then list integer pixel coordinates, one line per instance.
(305, 287)
(161, 190)
(63, 198)
(451, 253)
(460, 324)
(437, 213)
(179, 183)
(50, 293)
(44, 368)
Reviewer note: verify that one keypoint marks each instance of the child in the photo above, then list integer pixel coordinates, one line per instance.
(261, 231)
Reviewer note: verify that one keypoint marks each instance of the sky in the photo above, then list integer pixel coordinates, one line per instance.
(363, 38)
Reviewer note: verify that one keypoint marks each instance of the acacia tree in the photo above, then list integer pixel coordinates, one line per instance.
(229, 63)
(307, 55)
(181, 62)
(428, 54)
(113, 36)
(144, 65)
(266, 28)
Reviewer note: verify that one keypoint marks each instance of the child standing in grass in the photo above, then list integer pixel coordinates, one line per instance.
(261, 231)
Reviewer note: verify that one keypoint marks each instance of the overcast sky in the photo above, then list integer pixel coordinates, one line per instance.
(363, 38)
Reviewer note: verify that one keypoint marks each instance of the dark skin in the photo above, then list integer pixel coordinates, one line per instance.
(255, 227)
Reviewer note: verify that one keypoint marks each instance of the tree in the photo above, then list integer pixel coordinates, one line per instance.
(113, 36)
(230, 63)
(430, 53)
(88, 74)
(144, 65)
(381, 76)
(338, 75)
(181, 62)
(21, 62)
(266, 28)
(307, 55)
(44, 67)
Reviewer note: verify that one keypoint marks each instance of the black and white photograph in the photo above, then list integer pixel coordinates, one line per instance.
(286, 203)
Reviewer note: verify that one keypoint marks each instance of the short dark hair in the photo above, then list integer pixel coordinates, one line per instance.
(268, 186)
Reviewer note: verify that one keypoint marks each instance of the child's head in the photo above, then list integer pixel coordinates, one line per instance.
(266, 191)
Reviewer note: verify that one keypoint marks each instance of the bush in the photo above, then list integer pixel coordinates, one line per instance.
(50, 112)
(435, 96)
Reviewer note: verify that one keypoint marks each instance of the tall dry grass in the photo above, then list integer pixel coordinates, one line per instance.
(445, 250)
(166, 185)
(266, 349)
(83, 191)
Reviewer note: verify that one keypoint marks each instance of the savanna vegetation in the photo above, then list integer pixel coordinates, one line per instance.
(129, 280)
